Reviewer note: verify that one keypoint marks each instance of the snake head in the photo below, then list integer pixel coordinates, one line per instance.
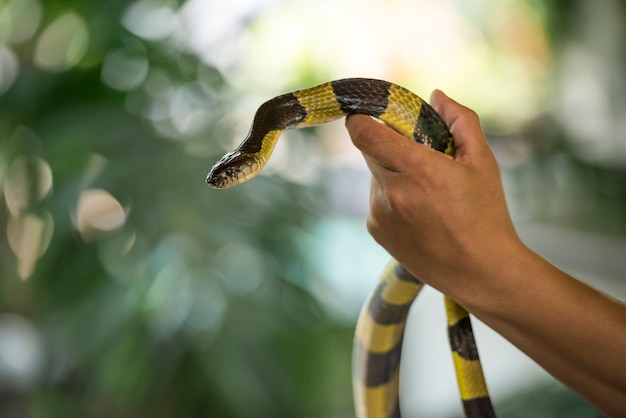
(234, 168)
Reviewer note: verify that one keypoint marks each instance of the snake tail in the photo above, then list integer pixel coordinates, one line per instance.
(378, 343)
(469, 372)
(402, 110)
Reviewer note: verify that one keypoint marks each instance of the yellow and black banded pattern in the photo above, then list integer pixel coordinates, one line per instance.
(398, 107)
(469, 372)
(402, 110)
(380, 328)
(378, 343)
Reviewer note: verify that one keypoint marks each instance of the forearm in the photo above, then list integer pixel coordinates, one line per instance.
(574, 332)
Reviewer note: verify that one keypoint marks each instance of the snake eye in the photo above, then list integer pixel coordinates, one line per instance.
(234, 168)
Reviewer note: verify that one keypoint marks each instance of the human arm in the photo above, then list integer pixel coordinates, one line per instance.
(446, 220)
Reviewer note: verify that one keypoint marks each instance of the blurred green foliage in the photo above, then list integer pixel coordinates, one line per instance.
(196, 303)
(160, 317)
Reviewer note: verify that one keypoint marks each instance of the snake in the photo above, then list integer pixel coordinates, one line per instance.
(381, 324)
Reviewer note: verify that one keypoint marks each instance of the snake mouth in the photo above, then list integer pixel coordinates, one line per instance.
(233, 169)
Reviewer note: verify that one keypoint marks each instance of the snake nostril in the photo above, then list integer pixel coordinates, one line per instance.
(212, 181)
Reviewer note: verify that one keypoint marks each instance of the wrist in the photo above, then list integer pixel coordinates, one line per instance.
(496, 278)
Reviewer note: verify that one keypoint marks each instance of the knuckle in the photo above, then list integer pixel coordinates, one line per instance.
(471, 114)
(471, 118)
(397, 203)
(377, 215)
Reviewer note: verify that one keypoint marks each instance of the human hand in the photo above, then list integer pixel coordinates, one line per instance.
(446, 221)
(444, 218)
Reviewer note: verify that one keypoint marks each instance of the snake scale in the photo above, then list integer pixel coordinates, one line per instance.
(381, 324)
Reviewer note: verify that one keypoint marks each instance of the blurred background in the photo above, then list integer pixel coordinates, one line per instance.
(128, 288)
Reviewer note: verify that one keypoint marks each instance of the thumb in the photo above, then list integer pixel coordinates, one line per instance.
(383, 145)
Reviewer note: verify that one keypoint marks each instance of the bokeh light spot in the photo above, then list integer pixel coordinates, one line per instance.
(62, 44)
(19, 20)
(21, 352)
(190, 108)
(29, 237)
(150, 21)
(9, 68)
(25, 174)
(123, 70)
(97, 211)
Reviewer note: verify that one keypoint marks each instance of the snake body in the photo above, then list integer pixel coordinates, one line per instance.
(381, 324)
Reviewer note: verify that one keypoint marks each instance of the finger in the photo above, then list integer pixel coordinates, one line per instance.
(387, 148)
(464, 125)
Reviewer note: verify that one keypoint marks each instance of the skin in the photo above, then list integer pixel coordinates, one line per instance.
(446, 220)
